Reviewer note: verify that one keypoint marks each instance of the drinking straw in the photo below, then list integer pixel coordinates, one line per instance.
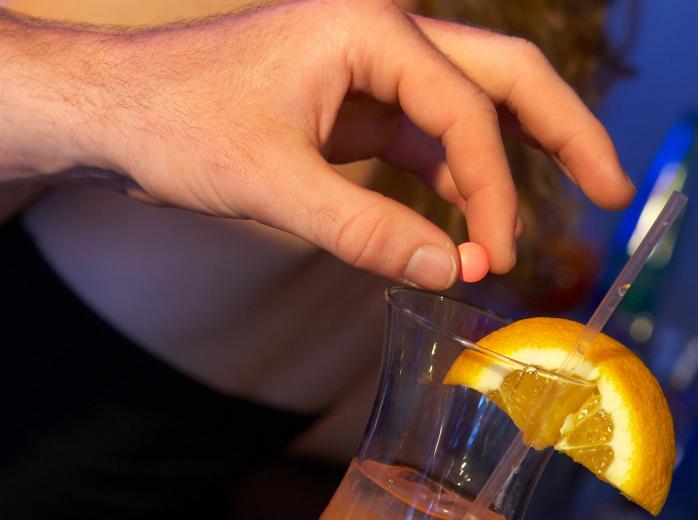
(517, 450)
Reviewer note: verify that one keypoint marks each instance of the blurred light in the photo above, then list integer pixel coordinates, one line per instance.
(641, 328)
(669, 343)
(672, 177)
(679, 455)
(686, 366)
(672, 152)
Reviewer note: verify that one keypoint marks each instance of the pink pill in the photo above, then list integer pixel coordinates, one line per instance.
(474, 263)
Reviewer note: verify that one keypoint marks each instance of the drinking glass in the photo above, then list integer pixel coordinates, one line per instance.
(429, 447)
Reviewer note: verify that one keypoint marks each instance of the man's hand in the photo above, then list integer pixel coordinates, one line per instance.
(242, 116)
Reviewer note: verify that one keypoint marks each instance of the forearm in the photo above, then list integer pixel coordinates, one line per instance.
(79, 96)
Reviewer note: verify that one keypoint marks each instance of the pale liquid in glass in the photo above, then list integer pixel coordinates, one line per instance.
(374, 491)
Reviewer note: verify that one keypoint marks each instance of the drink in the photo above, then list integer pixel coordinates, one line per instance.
(430, 446)
(371, 490)
(431, 441)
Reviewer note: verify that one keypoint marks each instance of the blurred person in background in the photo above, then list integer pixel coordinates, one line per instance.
(159, 355)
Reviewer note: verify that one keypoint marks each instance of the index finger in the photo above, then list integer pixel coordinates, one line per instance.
(513, 72)
(445, 104)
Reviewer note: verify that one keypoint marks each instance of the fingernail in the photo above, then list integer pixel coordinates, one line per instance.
(431, 267)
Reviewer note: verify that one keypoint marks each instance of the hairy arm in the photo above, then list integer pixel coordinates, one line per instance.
(38, 105)
(64, 88)
(29, 128)
(241, 116)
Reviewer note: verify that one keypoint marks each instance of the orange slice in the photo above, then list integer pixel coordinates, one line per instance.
(621, 429)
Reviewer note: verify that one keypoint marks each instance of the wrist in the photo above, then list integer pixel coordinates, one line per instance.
(46, 100)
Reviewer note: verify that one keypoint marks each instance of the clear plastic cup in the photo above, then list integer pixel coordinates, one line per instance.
(430, 447)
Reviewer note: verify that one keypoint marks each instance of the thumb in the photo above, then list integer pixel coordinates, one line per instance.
(362, 227)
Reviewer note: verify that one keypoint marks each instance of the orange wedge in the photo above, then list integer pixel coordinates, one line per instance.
(621, 428)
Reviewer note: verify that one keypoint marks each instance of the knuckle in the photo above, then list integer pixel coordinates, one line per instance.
(486, 105)
(364, 238)
(451, 194)
(483, 105)
(353, 9)
(528, 52)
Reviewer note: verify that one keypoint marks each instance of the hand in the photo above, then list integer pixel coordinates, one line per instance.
(242, 116)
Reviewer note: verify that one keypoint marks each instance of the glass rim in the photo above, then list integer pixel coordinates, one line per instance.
(390, 298)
